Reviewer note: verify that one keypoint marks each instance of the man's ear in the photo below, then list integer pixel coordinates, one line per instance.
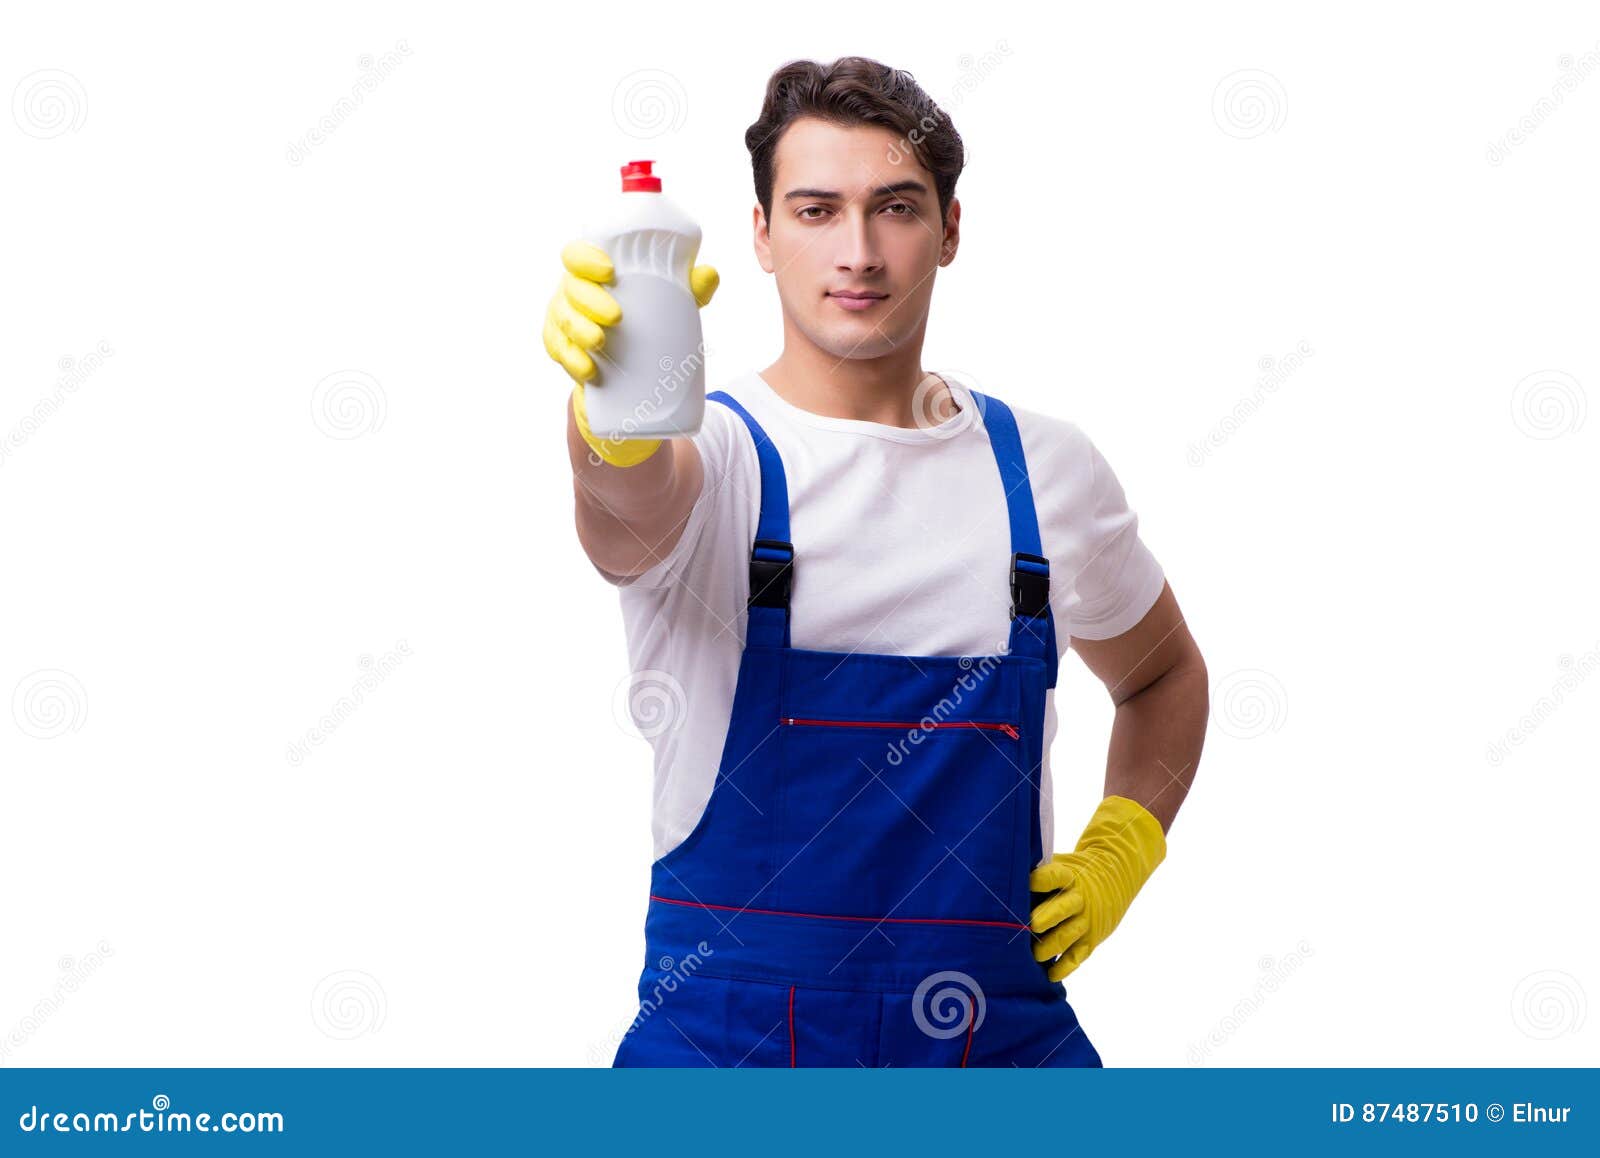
(952, 233)
(763, 239)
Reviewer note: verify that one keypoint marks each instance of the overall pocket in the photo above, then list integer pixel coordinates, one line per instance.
(902, 819)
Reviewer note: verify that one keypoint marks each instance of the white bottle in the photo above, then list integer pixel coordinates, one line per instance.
(651, 374)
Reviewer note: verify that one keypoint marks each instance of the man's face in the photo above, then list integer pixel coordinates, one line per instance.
(853, 212)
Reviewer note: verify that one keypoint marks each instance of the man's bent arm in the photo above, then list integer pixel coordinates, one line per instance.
(630, 517)
(1157, 679)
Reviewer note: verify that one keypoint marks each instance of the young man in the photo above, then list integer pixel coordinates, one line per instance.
(862, 576)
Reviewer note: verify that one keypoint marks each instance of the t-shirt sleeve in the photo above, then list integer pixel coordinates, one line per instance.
(715, 442)
(1115, 579)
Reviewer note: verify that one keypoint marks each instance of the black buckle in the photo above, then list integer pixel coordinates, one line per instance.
(771, 579)
(1030, 591)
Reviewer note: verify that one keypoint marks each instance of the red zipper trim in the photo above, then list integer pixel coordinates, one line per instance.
(1008, 729)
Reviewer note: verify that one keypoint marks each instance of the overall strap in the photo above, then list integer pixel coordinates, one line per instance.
(772, 554)
(1033, 630)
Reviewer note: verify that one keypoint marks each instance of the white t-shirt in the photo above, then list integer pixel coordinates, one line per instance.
(902, 546)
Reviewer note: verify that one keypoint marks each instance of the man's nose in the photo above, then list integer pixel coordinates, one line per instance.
(858, 248)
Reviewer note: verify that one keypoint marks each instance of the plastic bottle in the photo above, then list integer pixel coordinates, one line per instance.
(651, 375)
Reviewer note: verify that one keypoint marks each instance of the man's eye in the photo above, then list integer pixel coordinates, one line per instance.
(901, 205)
(808, 209)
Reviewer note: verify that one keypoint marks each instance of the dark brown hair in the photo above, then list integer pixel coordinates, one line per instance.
(854, 90)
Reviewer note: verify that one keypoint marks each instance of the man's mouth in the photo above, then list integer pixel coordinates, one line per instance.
(856, 300)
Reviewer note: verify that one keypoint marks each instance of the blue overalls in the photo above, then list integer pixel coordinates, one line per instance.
(856, 890)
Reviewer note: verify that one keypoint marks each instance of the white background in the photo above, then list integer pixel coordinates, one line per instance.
(1388, 560)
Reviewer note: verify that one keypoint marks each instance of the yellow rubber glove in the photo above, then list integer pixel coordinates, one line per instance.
(1095, 883)
(574, 328)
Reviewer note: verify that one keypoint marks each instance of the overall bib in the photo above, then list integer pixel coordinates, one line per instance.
(856, 890)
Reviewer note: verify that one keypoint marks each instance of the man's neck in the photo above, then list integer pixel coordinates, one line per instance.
(881, 389)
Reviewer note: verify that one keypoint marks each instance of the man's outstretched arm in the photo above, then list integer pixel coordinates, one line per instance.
(632, 497)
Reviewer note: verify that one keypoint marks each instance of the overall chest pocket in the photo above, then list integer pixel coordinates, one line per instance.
(900, 819)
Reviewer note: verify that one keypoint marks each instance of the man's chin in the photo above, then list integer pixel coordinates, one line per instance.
(855, 343)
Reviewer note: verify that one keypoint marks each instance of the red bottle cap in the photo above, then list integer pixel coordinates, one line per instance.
(636, 178)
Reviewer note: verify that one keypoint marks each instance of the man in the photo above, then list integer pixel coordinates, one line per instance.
(862, 576)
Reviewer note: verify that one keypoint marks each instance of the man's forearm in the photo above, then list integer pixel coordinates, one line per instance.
(1156, 739)
(628, 517)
